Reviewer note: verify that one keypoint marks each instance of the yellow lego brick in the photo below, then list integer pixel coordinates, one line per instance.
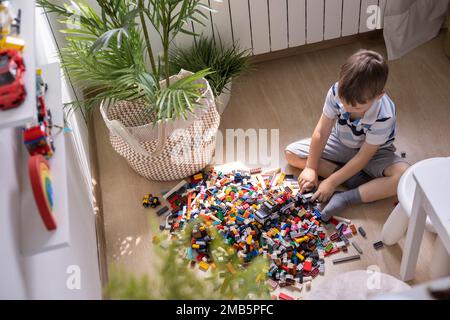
(302, 239)
(12, 43)
(300, 256)
(198, 176)
(195, 246)
(249, 239)
(203, 265)
(281, 178)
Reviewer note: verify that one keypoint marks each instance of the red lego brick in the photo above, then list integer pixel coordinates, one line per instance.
(333, 221)
(284, 296)
(307, 265)
(335, 250)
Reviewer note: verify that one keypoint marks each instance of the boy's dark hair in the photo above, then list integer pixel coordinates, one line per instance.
(363, 77)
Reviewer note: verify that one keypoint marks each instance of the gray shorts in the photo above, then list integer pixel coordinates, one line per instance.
(340, 154)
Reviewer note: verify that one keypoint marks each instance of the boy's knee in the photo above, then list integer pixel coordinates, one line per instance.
(289, 155)
(294, 159)
(396, 170)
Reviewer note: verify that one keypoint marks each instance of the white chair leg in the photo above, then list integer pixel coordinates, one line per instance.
(395, 226)
(440, 262)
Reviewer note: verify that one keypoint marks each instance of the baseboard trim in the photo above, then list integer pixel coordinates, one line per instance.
(279, 54)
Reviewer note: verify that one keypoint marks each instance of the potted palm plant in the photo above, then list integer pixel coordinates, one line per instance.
(226, 61)
(163, 124)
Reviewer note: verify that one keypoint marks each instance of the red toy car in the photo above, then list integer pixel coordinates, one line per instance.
(12, 68)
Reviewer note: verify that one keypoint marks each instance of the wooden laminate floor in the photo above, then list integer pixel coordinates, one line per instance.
(288, 94)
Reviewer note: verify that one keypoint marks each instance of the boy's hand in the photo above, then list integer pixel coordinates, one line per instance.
(307, 180)
(324, 191)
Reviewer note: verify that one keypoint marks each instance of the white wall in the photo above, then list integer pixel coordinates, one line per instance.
(44, 275)
(12, 280)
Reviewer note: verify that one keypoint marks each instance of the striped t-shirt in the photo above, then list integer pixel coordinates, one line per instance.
(376, 127)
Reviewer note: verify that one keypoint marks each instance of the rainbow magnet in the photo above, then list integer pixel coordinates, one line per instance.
(41, 184)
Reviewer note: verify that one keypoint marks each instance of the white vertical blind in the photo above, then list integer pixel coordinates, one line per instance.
(221, 20)
(297, 22)
(314, 20)
(260, 26)
(350, 17)
(206, 30)
(333, 19)
(240, 19)
(278, 24)
(270, 25)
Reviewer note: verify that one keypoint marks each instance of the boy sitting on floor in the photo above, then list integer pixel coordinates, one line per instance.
(352, 143)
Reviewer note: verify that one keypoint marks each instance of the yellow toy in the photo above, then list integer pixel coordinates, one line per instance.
(8, 39)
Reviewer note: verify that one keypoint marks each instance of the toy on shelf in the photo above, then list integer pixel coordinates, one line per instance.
(37, 136)
(150, 201)
(12, 89)
(10, 28)
(41, 183)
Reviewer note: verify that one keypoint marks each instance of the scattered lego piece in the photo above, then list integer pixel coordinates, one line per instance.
(284, 296)
(308, 285)
(197, 177)
(377, 245)
(357, 247)
(346, 259)
(174, 189)
(255, 218)
(307, 265)
(322, 269)
(403, 154)
(272, 283)
(150, 201)
(255, 170)
(362, 231)
(298, 286)
(353, 228)
(162, 210)
(333, 221)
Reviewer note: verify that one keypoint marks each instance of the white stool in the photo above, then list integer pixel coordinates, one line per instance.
(396, 225)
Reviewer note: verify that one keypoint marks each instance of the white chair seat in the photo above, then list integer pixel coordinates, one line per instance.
(406, 189)
(397, 223)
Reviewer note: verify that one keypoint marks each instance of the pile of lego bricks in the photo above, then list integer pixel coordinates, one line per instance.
(258, 214)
